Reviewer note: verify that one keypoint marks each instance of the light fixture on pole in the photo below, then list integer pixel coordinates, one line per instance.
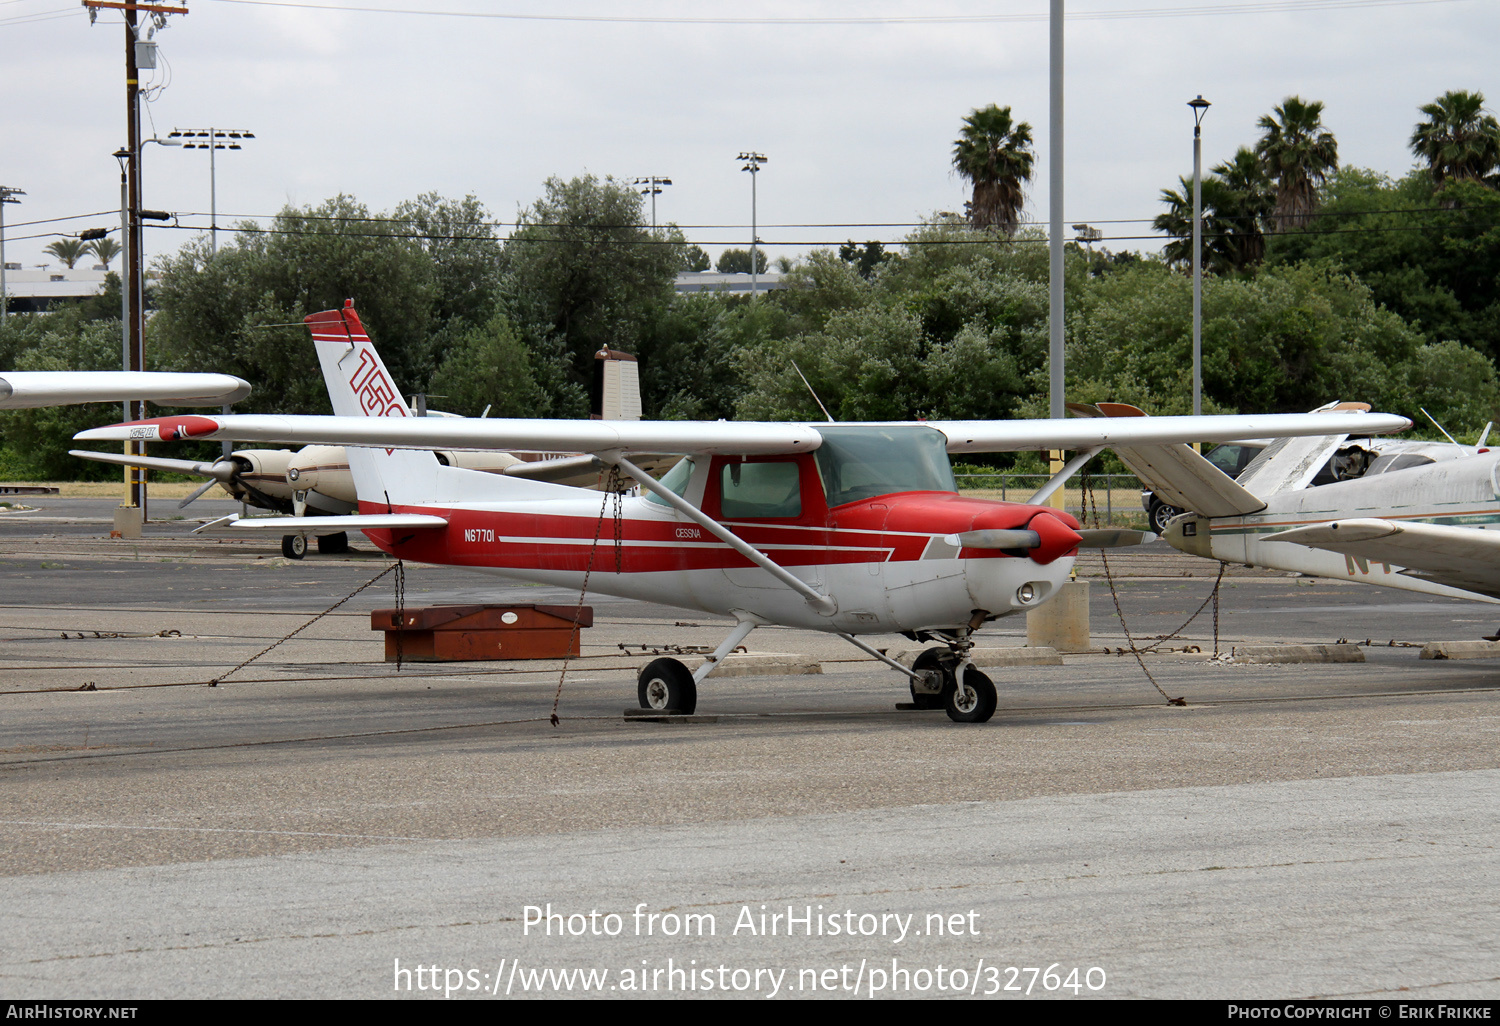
(653, 184)
(1200, 107)
(7, 195)
(753, 161)
(211, 139)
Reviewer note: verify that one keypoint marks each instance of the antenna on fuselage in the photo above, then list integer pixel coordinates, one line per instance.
(814, 394)
(1437, 425)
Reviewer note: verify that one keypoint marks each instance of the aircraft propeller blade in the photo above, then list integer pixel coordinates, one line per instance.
(197, 492)
(999, 539)
(1113, 538)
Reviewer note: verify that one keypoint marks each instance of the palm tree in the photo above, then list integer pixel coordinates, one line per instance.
(1297, 155)
(1237, 206)
(106, 249)
(1458, 140)
(69, 251)
(994, 153)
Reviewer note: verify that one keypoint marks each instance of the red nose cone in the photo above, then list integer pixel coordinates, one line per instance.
(1058, 539)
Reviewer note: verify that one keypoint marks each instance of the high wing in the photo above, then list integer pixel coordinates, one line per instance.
(27, 389)
(1460, 557)
(726, 437)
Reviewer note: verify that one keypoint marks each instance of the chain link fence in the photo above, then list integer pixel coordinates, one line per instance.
(1117, 496)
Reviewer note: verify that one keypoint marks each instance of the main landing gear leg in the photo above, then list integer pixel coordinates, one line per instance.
(666, 685)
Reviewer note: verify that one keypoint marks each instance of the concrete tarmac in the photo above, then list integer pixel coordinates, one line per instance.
(319, 822)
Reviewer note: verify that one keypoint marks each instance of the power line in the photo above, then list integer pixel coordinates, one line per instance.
(1193, 10)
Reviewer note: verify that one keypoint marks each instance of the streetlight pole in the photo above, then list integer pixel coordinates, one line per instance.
(211, 139)
(653, 184)
(7, 195)
(753, 161)
(1200, 106)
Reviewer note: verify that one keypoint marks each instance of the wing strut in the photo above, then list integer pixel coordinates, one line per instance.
(821, 603)
(1061, 477)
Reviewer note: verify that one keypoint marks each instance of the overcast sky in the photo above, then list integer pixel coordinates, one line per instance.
(857, 120)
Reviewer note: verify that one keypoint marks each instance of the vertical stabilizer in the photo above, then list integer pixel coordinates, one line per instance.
(360, 386)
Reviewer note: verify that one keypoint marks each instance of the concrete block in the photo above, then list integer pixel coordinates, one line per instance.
(1461, 650)
(1297, 654)
(128, 521)
(1062, 623)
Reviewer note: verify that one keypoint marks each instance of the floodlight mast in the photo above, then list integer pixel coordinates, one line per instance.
(653, 184)
(210, 139)
(753, 161)
(1200, 107)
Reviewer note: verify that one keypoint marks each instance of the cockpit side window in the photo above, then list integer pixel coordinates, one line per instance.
(760, 490)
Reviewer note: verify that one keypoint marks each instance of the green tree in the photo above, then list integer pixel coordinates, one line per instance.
(864, 258)
(487, 366)
(1298, 154)
(1459, 141)
(106, 249)
(241, 312)
(1236, 209)
(993, 152)
(583, 271)
(737, 261)
(69, 251)
(694, 260)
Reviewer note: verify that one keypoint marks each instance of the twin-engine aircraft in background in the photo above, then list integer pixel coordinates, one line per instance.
(315, 482)
(852, 529)
(22, 390)
(1418, 516)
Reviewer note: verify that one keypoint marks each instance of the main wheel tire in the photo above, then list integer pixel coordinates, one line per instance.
(975, 702)
(932, 659)
(666, 685)
(294, 546)
(1160, 514)
(333, 544)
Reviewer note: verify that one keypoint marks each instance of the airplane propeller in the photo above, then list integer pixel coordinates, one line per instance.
(221, 471)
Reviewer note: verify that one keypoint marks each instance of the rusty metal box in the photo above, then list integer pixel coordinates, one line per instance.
(436, 634)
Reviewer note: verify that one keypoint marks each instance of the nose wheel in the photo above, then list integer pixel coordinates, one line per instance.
(666, 685)
(973, 701)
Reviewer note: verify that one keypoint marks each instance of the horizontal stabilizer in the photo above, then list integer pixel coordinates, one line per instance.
(1462, 557)
(329, 525)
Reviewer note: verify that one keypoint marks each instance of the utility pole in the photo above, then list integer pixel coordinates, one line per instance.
(132, 514)
(7, 195)
(753, 161)
(211, 139)
(653, 184)
(1055, 223)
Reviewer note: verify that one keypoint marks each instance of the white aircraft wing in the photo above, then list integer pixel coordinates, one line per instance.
(1460, 557)
(27, 389)
(727, 437)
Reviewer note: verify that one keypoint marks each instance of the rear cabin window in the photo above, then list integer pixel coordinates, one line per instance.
(1398, 461)
(675, 481)
(760, 490)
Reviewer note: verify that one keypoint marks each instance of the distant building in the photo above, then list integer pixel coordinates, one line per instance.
(738, 284)
(36, 290)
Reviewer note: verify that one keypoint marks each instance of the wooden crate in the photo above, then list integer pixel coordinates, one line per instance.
(439, 634)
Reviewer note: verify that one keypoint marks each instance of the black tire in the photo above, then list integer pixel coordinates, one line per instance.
(293, 546)
(665, 685)
(932, 659)
(333, 544)
(1160, 514)
(976, 703)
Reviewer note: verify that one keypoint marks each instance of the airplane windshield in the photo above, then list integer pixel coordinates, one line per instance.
(863, 462)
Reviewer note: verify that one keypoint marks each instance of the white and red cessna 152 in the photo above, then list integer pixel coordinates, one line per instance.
(846, 528)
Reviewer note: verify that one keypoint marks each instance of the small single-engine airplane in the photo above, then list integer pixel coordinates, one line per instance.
(1418, 516)
(846, 528)
(315, 481)
(20, 390)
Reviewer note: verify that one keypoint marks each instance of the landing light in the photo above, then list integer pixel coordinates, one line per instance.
(1025, 593)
